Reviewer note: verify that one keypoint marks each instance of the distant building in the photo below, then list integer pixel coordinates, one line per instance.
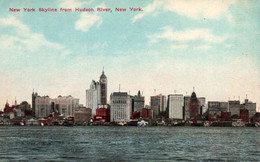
(120, 103)
(146, 113)
(103, 88)
(34, 95)
(194, 106)
(102, 114)
(82, 115)
(64, 105)
(244, 115)
(42, 106)
(234, 107)
(215, 108)
(186, 107)
(158, 104)
(93, 96)
(250, 106)
(137, 102)
(202, 101)
(175, 106)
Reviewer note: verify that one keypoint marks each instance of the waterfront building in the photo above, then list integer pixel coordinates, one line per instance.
(250, 106)
(244, 115)
(93, 96)
(137, 102)
(103, 88)
(234, 107)
(146, 113)
(215, 108)
(158, 104)
(42, 106)
(120, 110)
(202, 101)
(189, 105)
(175, 106)
(82, 115)
(225, 116)
(194, 106)
(34, 95)
(102, 114)
(66, 105)
(186, 107)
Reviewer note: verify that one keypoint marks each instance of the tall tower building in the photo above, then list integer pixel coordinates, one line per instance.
(103, 88)
(34, 95)
(93, 96)
(194, 106)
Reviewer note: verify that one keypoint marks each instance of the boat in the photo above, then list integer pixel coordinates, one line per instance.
(142, 123)
(238, 123)
(120, 124)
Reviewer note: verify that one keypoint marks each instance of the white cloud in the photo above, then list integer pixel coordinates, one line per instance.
(179, 46)
(195, 9)
(87, 20)
(23, 39)
(188, 35)
(203, 47)
(148, 9)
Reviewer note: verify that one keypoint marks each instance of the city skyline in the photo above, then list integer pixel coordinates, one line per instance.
(213, 47)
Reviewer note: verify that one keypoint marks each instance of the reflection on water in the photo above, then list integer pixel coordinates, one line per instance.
(129, 143)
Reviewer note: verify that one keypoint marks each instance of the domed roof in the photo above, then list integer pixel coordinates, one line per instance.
(103, 76)
(193, 96)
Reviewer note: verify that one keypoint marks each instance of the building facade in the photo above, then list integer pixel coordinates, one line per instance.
(194, 106)
(64, 105)
(93, 96)
(120, 110)
(137, 102)
(175, 106)
(158, 104)
(234, 107)
(215, 108)
(103, 88)
(82, 115)
(42, 106)
(250, 106)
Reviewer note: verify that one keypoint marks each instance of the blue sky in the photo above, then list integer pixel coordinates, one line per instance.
(170, 45)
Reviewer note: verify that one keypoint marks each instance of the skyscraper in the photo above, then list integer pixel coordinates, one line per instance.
(120, 107)
(194, 106)
(93, 96)
(103, 88)
(158, 104)
(176, 102)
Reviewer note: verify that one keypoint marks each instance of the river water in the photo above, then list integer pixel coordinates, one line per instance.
(129, 143)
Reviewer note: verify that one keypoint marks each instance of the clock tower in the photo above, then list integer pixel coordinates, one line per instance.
(103, 88)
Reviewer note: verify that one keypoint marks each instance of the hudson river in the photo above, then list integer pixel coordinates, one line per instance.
(129, 143)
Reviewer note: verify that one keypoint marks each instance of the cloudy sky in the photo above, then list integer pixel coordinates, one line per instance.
(171, 46)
